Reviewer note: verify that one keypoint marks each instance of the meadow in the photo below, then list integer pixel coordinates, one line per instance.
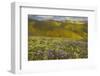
(57, 39)
(47, 48)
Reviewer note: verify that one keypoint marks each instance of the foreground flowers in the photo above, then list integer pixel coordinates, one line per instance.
(45, 48)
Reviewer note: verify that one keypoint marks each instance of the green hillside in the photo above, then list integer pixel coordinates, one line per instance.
(51, 28)
(53, 39)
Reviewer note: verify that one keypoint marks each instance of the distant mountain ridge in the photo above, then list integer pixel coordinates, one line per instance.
(56, 18)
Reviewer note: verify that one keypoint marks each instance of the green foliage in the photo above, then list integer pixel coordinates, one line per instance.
(47, 48)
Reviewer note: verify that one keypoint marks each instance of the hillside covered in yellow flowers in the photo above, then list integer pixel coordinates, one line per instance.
(57, 37)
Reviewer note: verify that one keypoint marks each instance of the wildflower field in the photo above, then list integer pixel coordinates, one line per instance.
(57, 37)
(45, 48)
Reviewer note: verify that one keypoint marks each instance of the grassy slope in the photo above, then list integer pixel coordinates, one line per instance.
(56, 40)
(74, 31)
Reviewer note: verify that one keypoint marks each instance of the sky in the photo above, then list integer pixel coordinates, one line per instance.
(57, 18)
